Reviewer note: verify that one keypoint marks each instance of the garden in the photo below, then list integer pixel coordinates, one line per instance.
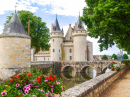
(32, 84)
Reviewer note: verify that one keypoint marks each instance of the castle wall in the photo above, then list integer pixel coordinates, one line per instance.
(90, 51)
(56, 46)
(79, 45)
(15, 52)
(68, 51)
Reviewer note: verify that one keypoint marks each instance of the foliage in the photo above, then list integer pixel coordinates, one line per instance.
(125, 56)
(39, 33)
(125, 62)
(114, 56)
(108, 20)
(114, 66)
(104, 57)
(32, 85)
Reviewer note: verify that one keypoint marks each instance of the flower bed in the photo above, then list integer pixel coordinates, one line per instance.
(114, 66)
(31, 84)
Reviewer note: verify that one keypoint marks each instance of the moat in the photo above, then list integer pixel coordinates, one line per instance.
(69, 79)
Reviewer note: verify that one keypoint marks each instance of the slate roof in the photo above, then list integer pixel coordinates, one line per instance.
(56, 24)
(14, 28)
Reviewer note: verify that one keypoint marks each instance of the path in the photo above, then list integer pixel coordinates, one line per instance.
(120, 87)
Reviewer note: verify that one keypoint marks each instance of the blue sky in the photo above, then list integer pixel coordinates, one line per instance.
(67, 13)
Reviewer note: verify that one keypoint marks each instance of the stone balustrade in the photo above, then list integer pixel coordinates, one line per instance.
(95, 86)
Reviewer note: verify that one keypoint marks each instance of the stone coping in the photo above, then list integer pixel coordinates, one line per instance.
(88, 87)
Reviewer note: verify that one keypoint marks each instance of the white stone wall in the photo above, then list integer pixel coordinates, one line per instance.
(15, 52)
(67, 54)
(56, 44)
(90, 51)
(79, 46)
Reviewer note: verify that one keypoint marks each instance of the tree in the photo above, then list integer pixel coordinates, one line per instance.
(39, 33)
(125, 56)
(114, 56)
(104, 57)
(108, 20)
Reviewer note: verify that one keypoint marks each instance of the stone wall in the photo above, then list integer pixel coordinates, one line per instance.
(15, 52)
(95, 86)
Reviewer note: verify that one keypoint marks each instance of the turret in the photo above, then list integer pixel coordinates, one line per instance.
(15, 45)
(56, 36)
(79, 40)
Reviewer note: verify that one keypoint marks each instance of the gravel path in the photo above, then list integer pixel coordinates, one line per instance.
(120, 87)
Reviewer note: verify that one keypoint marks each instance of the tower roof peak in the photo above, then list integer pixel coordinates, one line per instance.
(56, 24)
(14, 28)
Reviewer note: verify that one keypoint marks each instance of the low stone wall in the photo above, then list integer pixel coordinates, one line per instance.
(95, 86)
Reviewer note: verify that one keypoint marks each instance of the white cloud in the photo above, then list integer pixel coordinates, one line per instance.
(9, 5)
(1, 29)
(62, 7)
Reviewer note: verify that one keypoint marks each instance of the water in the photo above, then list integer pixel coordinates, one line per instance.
(69, 79)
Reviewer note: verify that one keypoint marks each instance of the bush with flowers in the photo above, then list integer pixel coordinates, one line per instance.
(31, 84)
(114, 66)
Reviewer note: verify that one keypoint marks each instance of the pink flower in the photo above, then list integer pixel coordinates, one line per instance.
(25, 88)
(47, 94)
(42, 90)
(34, 80)
(57, 83)
(110, 66)
(51, 85)
(39, 89)
(22, 93)
(51, 89)
(17, 85)
(26, 91)
(45, 80)
(61, 87)
(3, 93)
(34, 96)
(36, 86)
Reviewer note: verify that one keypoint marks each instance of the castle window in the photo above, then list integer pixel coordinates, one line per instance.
(70, 50)
(44, 58)
(70, 57)
(59, 50)
(59, 58)
(70, 38)
(53, 40)
(53, 50)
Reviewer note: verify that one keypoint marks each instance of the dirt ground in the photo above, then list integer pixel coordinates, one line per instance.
(120, 87)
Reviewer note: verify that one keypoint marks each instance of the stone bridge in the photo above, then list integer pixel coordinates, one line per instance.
(99, 66)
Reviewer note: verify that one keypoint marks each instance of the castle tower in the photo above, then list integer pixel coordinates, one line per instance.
(79, 41)
(15, 45)
(56, 37)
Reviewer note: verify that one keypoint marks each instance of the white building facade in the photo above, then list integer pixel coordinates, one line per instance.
(72, 47)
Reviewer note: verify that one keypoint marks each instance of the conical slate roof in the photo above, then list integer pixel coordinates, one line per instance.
(78, 24)
(56, 24)
(14, 28)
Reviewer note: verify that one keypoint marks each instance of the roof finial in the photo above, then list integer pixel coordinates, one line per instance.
(56, 15)
(15, 6)
(79, 13)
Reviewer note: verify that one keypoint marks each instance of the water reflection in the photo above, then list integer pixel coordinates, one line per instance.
(69, 78)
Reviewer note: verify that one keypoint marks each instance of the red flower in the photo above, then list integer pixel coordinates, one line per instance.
(17, 75)
(49, 85)
(38, 81)
(54, 77)
(29, 75)
(37, 78)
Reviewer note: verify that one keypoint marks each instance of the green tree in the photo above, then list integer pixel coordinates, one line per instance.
(108, 20)
(39, 32)
(125, 56)
(114, 56)
(104, 57)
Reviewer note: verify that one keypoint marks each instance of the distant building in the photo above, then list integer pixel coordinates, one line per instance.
(72, 47)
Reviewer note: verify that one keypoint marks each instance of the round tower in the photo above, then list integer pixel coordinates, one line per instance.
(79, 41)
(15, 45)
(56, 39)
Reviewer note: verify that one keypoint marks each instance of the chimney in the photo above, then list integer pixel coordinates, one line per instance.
(29, 28)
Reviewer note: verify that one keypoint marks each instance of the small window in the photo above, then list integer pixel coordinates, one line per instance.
(59, 50)
(53, 40)
(70, 50)
(44, 58)
(59, 58)
(48, 58)
(70, 57)
(53, 50)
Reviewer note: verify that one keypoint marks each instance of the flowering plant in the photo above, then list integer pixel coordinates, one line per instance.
(32, 85)
(114, 66)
